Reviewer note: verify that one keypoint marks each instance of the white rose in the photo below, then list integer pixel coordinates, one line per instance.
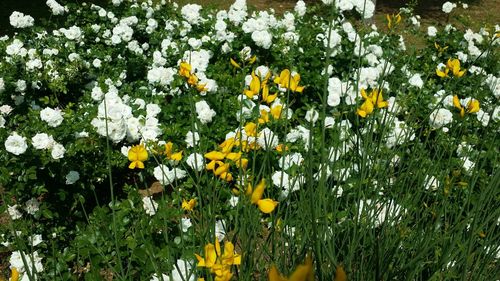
(52, 117)
(448, 7)
(42, 141)
(72, 177)
(16, 144)
(58, 151)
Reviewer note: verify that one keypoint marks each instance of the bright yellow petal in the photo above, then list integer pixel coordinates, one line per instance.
(233, 156)
(258, 191)
(304, 272)
(267, 205)
(132, 165)
(234, 63)
(473, 106)
(274, 275)
(214, 155)
(201, 261)
(176, 156)
(456, 102)
(14, 274)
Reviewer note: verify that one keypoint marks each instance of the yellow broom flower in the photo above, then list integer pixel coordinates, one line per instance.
(137, 154)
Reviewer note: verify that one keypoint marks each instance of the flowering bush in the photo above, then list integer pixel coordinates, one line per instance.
(136, 134)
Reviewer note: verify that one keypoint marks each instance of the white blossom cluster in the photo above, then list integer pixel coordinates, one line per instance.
(20, 20)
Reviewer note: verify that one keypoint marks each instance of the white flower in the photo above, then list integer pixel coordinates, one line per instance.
(166, 176)
(267, 139)
(191, 13)
(448, 7)
(19, 20)
(300, 8)
(152, 109)
(196, 161)
(233, 201)
(56, 8)
(2, 122)
(329, 122)
(14, 212)
(16, 144)
(2, 85)
(262, 38)
(32, 206)
(287, 161)
(440, 117)
(35, 239)
(220, 229)
(468, 164)
(192, 139)
(42, 141)
(51, 116)
(431, 183)
(149, 205)
(161, 75)
(416, 81)
(72, 177)
(58, 151)
(431, 31)
(312, 115)
(182, 271)
(282, 180)
(16, 260)
(5, 109)
(185, 224)
(205, 113)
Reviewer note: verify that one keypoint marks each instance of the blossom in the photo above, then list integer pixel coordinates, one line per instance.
(32, 206)
(471, 107)
(72, 177)
(265, 205)
(393, 18)
(53, 117)
(204, 112)
(195, 161)
(448, 7)
(440, 117)
(19, 20)
(57, 151)
(303, 272)
(42, 141)
(188, 205)
(137, 154)
(219, 262)
(289, 81)
(452, 65)
(165, 175)
(14, 213)
(149, 205)
(16, 144)
(374, 99)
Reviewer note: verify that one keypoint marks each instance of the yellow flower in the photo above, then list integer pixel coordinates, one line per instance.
(267, 205)
(303, 272)
(286, 80)
(215, 155)
(170, 155)
(219, 263)
(14, 274)
(391, 18)
(137, 154)
(454, 66)
(374, 99)
(188, 205)
(439, 48)
(234, 63)
(185, 69)
(472, 106)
